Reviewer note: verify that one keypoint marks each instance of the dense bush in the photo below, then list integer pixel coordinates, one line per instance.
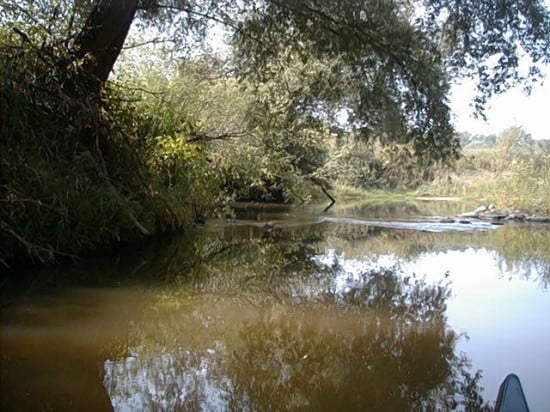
(82, 170)
(512, 173)
(256, 152)
(157, 150)
(360, 164)
(163, 147)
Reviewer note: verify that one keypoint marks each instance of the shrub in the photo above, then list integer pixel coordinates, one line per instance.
(79, 169)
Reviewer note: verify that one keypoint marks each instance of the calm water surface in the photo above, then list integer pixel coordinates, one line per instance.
(365, 307)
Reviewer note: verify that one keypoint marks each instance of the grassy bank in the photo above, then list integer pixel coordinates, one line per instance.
(158, 149)
(514, 176)
(82, 171)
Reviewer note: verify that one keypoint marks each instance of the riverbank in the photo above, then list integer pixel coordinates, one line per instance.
(489, 212)
(349, 193)
(515, 179)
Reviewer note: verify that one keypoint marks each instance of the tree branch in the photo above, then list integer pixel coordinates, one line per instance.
(145, 43)
(207, 16)
(203, 137)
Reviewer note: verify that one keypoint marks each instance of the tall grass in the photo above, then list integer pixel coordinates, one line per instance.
(511, 178)
(80, 170)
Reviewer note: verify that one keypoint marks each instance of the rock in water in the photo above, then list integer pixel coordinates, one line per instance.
(539, 219)
(447, 220)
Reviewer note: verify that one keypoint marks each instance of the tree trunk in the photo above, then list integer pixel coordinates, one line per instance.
(101, 40)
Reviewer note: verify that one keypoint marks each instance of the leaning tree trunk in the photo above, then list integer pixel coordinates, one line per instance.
(101, 40)
(96, 49)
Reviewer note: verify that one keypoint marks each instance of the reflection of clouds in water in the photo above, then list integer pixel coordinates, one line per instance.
(485, 302)
(351, 272)
(473, 271)
(484, 294)
(181, 380)
(355, 266)
(502, 309)
(478, 279)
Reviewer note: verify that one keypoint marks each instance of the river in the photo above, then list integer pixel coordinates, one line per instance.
(367, 306)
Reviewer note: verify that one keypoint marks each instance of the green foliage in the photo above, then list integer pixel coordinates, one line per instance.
(388, 63)
(185, 178)
(399, 92)
(528, 186)
(514, 142)
(514, 174)
(369, 165)
(80, 171)
(486, 39)
(53, 22)
(282, 148)
(252, 138)
(83, 166)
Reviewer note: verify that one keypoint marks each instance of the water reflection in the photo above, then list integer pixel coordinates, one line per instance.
(53, 348)
(383, 344)
(304, 316)
(521, 250)
(179, 380)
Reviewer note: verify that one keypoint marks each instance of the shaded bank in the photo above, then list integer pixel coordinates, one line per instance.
(80, 170)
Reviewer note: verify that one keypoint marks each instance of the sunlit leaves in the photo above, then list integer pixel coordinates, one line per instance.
(393, 58)
(378, 66)
(487, 39)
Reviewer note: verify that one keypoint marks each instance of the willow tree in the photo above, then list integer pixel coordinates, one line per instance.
(391, 60)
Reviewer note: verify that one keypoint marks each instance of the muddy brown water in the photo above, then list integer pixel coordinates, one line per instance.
(363, 307)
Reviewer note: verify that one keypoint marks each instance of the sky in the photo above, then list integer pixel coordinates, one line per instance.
(513, 108)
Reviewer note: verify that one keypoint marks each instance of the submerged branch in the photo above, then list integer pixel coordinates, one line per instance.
(324, 185)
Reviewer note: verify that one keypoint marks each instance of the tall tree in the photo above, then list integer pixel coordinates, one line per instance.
(390, 60)
(394, 59)
(102, 37)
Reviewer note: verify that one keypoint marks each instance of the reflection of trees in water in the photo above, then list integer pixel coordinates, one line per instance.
(383, 208)
(249, 317)
(255, 265)
(208, 256)
(300, 333)
(180, 380)
(524, 250)
(521, 250)
(284, 367)
(397, 354)
(380, 342)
